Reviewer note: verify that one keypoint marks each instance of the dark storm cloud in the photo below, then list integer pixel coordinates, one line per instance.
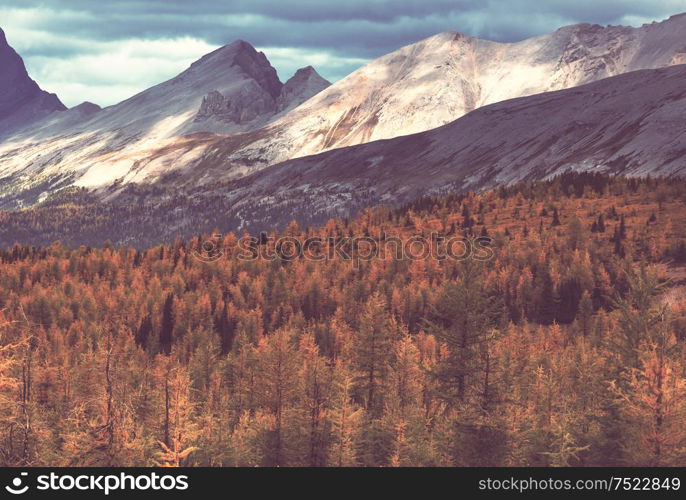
(371, 10)
(302, 10)
(360, 28)
(361, 38)
(348, 31)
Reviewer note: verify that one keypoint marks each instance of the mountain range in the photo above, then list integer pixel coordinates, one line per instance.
(440, 79)
(630, 124)
(451, 112)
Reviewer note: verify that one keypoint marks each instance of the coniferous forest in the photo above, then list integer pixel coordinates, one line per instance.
(563, 344)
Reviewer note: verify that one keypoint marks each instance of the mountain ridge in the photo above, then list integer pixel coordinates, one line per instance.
(22, 101)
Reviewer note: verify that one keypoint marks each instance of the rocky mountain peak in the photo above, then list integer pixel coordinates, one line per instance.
(306, 71)
(305, 75)
(305, 83)
(22, 101)
(240, 54)
(264, 96)
(252, 103)
(456, 36)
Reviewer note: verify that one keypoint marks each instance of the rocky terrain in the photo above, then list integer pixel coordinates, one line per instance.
(22, 101)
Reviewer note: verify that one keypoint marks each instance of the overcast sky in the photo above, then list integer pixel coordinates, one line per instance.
(104, 51)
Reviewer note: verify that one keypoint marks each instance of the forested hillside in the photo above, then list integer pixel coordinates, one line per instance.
(562, 343)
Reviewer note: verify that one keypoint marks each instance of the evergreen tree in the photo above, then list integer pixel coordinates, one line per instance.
(144, 331)
(547, 300)
(621, 235)
(345, 418)
(226, 328)
(601, 224)
(585, 314)
(372, 351)
(277, 369)
(467, 220)
(463, 318)
(167, 324)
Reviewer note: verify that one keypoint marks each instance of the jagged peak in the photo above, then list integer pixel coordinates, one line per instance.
(305, 83)
(306, 70)
(228, 52)
(241, 44)
(236, 47)
(458, 35)
(243, 55)
(306, 73)
(3, 38)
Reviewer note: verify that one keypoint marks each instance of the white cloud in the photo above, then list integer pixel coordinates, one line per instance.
(104, 72)
(112, 71)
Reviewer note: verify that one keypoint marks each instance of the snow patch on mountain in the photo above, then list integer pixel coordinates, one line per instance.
(437, 80)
